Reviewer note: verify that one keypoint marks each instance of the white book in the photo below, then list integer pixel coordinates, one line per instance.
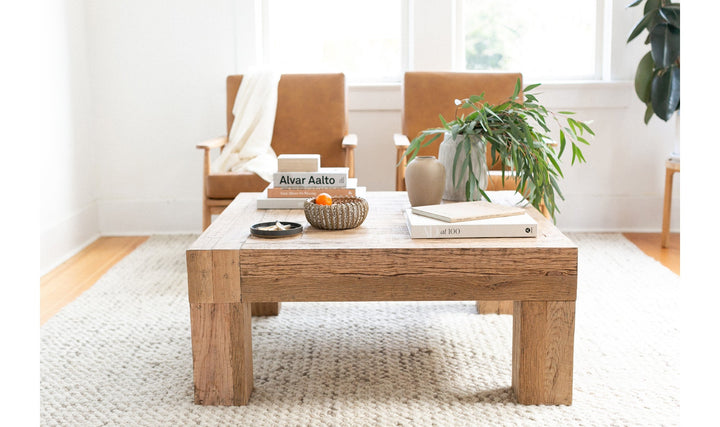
(467, 211)
(422, 227)
(298, 162)
(323, 178)
(265, 202)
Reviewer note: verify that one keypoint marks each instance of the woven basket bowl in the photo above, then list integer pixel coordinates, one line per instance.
(344, 213)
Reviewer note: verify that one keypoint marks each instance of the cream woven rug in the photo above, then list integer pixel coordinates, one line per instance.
(121, 355)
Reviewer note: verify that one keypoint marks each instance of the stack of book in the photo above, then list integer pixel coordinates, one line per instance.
(469, 219)
(300, 177)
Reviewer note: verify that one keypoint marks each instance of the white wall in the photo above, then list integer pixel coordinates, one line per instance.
(157, 87)
(158, 81)
(68, 212)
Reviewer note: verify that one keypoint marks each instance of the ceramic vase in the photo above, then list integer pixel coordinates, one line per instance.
(446, 156)
(425, 181)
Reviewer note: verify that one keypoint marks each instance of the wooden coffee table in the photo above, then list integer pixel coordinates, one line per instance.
(229, 270)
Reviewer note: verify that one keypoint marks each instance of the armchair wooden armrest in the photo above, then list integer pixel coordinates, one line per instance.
(213, 143)
(401, 144)
(350, 140)
(349, 143)
(206, 146)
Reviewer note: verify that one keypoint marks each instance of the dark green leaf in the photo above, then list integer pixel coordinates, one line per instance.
(666, 92)
(643, 24)
(635, 3)
(643, 77)
(651, 5)
(671, 15)
(665, 44)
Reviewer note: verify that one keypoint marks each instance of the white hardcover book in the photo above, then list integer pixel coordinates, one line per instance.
(298, 162)
(323, 178)
(265, 202)
(467, 211)
(422, 227)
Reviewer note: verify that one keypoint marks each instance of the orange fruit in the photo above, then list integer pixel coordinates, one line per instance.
(323, 199)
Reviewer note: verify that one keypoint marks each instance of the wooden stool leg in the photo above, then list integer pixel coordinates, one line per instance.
(222, 353)
(494, 307)
(666, 207)
(542, 353)
(265, 308)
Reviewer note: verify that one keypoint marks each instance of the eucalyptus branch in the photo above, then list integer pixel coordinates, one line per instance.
(516, 134)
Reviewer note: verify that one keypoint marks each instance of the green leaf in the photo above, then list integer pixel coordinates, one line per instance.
(671, 14)
(666, 92)
(643, 77)
(555, 163)
(474, 99)
(567, 113)
(648, 112)
(644, 23)
(665, 44)
(651, 5)
(563, 142)
(635, 3)
(516, 92)
(587, 128)
(531, 87)
(443, 121)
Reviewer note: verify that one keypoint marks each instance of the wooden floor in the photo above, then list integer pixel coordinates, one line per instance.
(650, 244)
(65, 283)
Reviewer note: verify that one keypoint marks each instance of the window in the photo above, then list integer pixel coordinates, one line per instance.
(362, 39)
(551, 39)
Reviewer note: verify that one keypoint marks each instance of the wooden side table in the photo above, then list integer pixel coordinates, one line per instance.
(671, 166)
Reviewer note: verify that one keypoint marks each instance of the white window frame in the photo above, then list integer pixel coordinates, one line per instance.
(603, 19)
(432, 37)
(252, 36)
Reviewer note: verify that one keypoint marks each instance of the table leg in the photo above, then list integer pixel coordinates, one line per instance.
(265, 308)
(665, 236)
(222, 353)
(542, 354)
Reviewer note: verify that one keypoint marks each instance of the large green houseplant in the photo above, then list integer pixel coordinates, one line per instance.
(657, 79)
(517, 134)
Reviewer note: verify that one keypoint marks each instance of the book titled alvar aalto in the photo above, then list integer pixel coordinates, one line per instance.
(324, 178)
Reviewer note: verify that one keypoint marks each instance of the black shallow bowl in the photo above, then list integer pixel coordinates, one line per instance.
(295, 228)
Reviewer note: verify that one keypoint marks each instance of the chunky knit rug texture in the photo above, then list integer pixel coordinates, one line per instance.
(121, 354)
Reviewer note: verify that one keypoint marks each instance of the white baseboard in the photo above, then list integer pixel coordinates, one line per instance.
(63, 240)
(613, 213)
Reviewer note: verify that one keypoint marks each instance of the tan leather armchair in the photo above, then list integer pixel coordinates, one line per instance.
(426, 95)
(311, 117)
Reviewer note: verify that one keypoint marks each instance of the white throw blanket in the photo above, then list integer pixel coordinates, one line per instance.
(248, 147)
